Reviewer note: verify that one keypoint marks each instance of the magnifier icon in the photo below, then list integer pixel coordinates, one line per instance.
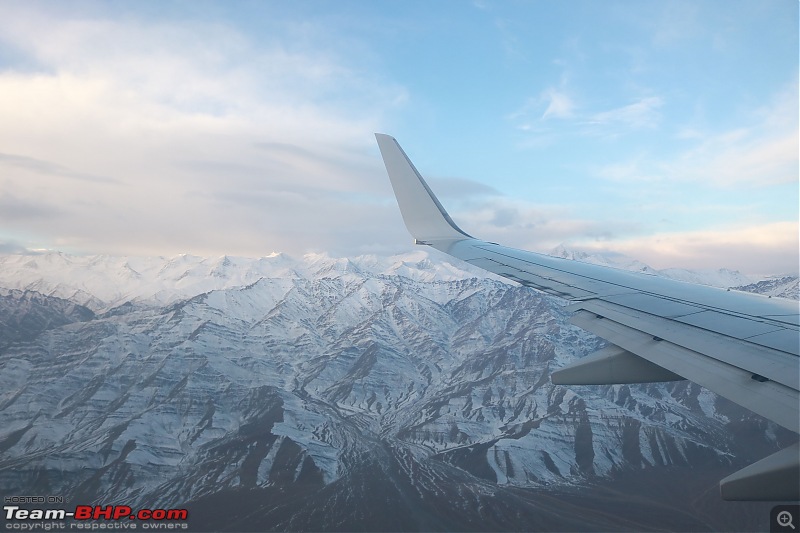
(785, 519)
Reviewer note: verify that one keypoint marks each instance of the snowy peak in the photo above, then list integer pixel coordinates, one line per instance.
(723, 277)
(103, 282)
(613, 260)
(782, 287)
(26, 314)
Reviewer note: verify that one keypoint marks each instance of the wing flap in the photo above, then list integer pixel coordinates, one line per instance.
(770, 399)
(752, 358)
(776, 477)
(611, 365)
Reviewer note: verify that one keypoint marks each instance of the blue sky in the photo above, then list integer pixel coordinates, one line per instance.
(667, 131)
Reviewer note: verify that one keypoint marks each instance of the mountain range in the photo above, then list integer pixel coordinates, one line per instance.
(376, 393)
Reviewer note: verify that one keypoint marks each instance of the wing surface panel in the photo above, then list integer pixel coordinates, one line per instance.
(729, 313)
(784, 340)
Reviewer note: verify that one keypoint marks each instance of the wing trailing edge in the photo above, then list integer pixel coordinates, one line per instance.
(611, 365)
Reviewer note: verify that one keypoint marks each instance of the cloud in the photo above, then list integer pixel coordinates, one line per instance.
(758, 249)
(559, 105)
(530, 226)
(750, 161)
(761, 249)
(643, 113)
(640, 114)
(12, 247)
(15, 209)
(48, 168)
(216, 143)
(761, 151)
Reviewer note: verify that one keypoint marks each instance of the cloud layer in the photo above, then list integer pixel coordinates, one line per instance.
(131, 136)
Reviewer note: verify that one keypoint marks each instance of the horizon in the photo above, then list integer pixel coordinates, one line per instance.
(666, 132)
(612, 259)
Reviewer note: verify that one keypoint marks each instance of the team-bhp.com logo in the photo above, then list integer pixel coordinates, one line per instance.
(94, 517)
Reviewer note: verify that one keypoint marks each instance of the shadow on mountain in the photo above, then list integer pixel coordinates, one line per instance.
(394, 491)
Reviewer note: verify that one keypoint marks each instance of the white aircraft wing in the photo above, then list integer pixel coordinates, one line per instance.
(742, 346)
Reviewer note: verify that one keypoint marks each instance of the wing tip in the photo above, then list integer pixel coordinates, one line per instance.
(423, 214)
(384, 136)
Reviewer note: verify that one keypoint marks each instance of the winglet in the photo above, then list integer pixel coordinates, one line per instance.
(423, 215)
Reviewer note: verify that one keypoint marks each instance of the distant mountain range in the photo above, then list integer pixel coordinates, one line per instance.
(375, 393)
(781, 285)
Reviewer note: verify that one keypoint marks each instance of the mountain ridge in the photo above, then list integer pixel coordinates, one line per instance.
(328, 373)
(103, 282)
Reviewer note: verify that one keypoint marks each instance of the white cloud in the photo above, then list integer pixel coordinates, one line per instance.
(762, 152)
(643, 113)
(640, 114)
(559, 104)
(760, 249)
(530, 226)
(751, 161)
(753, 248)
(132, 133)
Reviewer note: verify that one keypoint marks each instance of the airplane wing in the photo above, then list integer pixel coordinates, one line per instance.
(744, 347)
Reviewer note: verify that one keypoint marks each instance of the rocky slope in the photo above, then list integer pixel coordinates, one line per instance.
(329, 394)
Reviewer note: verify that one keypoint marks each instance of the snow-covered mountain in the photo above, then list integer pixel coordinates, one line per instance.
(104, 282)
(781, 286)
(402, 393)
(722, 277)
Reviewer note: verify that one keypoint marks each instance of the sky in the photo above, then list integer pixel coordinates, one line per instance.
(666, 131)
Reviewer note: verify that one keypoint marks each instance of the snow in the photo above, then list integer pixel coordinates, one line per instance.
(722, 277)
(412, 350)
(164, 280)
